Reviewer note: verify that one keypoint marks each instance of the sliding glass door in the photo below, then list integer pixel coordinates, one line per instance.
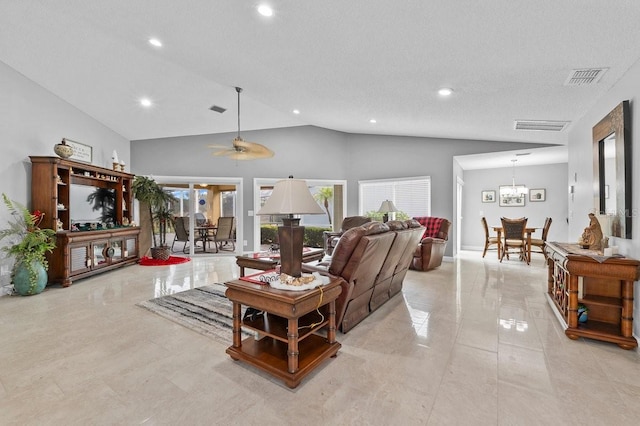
(330, 195)
(202, 201)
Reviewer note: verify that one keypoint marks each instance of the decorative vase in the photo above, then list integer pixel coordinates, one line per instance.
(160, 253)
(22, 282)
(582, 314)
(63, 150)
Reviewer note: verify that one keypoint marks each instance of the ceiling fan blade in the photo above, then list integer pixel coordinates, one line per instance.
(223, 152)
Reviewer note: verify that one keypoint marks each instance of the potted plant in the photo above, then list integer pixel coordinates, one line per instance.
(29, 246)
(147, 191)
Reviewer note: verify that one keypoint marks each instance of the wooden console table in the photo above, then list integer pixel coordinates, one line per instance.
(289, 346)
(603, 284)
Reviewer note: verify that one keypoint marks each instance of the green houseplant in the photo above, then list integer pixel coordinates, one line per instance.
(29, 245)
(158, 201)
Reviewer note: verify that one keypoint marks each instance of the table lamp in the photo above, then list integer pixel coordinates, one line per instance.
(386, 208)
(291, 197)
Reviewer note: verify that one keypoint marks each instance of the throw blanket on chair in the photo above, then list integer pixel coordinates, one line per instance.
(432, 225)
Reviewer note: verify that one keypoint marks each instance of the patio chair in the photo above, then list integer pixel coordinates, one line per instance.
(224, 237)
(182, 233)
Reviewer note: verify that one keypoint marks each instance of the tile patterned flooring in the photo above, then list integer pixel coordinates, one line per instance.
(472, 342)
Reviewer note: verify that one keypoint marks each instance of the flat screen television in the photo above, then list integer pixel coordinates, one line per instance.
(92, 205)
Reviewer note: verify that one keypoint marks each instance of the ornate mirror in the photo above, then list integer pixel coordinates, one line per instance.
(612, 171)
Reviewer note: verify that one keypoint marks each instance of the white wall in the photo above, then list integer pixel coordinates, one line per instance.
(581, 163)
(32, 121)
(309, 152)
(550, 177)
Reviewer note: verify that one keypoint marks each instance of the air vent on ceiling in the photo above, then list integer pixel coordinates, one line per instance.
(217, 108)
(544, 125)
(584, 77)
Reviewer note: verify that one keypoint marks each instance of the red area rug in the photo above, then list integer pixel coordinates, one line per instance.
(173, 260)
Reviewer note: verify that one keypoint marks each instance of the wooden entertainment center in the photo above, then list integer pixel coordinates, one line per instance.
(603, 284)
(89, 246)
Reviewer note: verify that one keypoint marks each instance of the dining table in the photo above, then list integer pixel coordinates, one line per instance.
(529, 230)
(204, 235)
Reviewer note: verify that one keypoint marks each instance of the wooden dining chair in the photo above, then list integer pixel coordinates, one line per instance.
(539, 243)
(514, 231)
(489, 240)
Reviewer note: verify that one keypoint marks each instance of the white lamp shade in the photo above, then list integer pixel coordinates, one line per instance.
(387, 207)
(290, 196)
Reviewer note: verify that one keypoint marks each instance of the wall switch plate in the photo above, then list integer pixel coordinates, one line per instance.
(244, 243)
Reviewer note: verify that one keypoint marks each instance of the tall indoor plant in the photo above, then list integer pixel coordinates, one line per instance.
(147, 191)
(29, 245)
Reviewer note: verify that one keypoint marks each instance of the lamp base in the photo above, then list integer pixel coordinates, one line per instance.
(291, 238)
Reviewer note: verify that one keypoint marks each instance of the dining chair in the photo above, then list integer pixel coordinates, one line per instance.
(489, 240)
(539, 243)
(514, 237)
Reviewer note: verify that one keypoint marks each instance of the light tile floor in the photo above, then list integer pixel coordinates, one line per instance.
(472, 342)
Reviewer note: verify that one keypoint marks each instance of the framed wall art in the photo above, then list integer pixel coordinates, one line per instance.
(510, 199)
(537, 195)
(81, 152)
(488, 196)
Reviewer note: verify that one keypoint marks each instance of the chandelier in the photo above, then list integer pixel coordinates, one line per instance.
(513, 191)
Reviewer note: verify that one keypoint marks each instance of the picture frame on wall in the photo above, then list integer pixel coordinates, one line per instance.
(536, 195)
(507, 199)
(489, 196)
(81, 152)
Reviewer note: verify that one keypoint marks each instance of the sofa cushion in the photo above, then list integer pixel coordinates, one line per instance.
(432, 226)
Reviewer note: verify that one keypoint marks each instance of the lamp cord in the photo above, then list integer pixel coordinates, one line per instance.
(317, 310)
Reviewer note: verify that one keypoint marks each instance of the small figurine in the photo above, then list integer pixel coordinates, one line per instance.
(592, 236)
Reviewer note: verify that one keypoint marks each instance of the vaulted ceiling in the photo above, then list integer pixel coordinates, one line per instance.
(340, 63)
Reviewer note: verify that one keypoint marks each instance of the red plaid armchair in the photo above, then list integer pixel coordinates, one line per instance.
(430, 251)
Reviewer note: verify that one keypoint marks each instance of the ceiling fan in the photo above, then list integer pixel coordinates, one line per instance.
(241, 149)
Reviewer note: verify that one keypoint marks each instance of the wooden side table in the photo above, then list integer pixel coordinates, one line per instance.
(603, 284)
(264, 263)
(289, 347)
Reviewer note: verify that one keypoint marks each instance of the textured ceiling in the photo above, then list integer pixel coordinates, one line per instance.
(339, 62)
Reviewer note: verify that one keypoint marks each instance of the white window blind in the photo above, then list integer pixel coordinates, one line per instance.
(412, 196)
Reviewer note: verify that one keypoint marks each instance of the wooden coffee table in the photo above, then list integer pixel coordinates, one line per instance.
(264, 261)
(286, 349)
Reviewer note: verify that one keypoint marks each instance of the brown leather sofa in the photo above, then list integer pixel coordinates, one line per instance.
(372, 260)
(331, 238)
(430, 251)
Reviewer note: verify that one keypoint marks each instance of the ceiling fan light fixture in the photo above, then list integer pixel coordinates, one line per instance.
(241, 149)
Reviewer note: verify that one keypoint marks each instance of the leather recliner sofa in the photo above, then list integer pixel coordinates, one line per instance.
(429, 253)
(372, 260)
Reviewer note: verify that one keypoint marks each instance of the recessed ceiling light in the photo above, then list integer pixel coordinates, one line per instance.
(145, 102)
(155, 42)
(373, 121)
(265, 10)
(296, 111)
(445, 91)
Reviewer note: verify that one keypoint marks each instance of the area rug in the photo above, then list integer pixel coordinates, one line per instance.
(172, 260)
(205, 310)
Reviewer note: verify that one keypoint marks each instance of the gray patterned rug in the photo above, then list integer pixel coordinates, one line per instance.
(205, 310)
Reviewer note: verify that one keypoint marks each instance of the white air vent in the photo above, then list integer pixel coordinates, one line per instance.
(217, 108)
(544, 125)
(585, 76)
